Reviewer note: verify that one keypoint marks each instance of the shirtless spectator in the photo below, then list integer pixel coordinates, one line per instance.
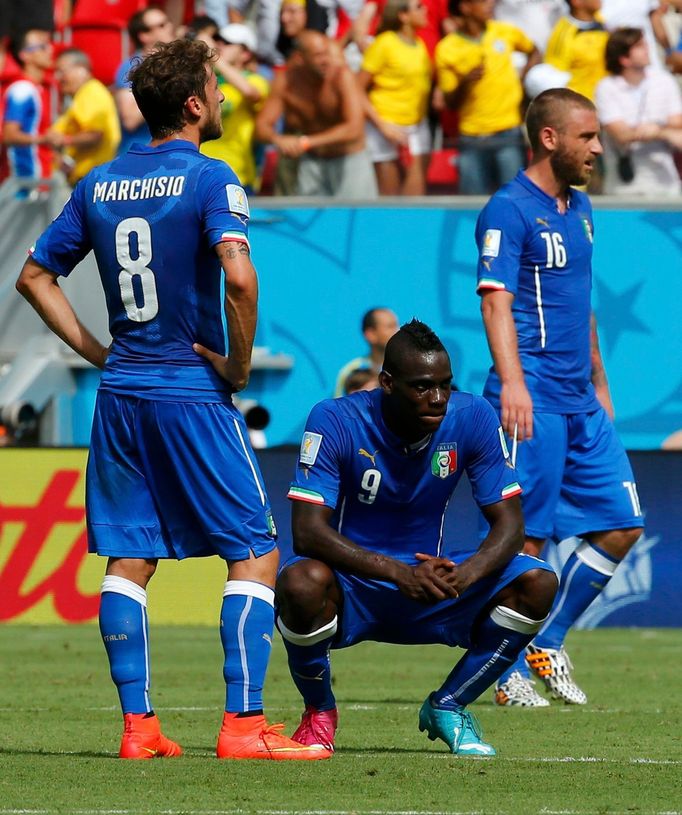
(324, 121)
(293, 19)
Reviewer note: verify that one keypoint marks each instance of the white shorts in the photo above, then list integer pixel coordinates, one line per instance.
(381, 149)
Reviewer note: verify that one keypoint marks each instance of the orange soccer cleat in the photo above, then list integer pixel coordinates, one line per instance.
(252, 737)
(142, 738)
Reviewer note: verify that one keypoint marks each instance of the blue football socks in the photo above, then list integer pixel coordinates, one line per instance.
(496, 642)
(246, 629)
(125, 632)
(309, 663)
(584, 576)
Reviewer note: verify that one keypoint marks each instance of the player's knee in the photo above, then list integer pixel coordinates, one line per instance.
(536, 591)
(629, 537)
(304, 585)
(137, 570)
(618, 542)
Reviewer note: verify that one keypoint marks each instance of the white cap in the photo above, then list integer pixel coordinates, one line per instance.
(238, 34)
(542, 77)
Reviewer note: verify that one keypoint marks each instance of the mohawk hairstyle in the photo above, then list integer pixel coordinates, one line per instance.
(413, 337)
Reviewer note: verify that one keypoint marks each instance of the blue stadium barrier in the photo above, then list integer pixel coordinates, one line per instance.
(322, 268)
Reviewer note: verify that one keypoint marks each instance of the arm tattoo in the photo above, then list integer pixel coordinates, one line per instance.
(229, 250)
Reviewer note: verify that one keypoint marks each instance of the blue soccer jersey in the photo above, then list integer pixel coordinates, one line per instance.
(544, 258)
(389, 498)
(24, 105)
(153, 217)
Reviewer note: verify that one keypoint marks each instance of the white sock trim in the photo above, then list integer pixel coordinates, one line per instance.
(595, 560)
(508, 618)
(313, 638)
(121, 585)
(250, 588)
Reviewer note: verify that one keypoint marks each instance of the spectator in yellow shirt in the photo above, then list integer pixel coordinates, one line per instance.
(88, 132)
(476, 76)
(577, 45)
(244, 92)
(396, 80)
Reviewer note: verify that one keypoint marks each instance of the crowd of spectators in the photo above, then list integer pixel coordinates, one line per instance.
(353, 98)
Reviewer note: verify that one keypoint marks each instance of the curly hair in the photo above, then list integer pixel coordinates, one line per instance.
(163, 81)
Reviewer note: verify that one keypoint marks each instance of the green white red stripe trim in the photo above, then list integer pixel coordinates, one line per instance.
(301, 494)
(490, 283)
(235, 236)
(512, 489)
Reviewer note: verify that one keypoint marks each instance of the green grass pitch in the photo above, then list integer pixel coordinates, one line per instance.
(60, 726)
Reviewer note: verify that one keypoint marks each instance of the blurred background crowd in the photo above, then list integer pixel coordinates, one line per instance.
(351, 98)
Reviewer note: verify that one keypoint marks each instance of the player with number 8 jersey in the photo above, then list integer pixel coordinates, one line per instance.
(171, 473)
(152, 218)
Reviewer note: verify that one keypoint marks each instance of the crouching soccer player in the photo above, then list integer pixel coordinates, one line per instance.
(171, 473)
(375, 474)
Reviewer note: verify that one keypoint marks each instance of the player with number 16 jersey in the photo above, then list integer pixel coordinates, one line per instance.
(534, 240)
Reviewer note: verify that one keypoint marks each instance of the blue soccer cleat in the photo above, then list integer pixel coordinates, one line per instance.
(459, 729)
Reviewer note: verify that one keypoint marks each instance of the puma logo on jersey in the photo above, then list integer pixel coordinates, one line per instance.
(370, 456)
(542, 222)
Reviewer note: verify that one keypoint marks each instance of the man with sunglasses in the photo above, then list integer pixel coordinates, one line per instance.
(27, 111)
(146, 28)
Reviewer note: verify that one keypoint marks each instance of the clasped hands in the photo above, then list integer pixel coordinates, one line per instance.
(433, 580)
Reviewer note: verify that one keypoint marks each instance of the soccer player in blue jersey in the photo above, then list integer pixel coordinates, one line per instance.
(375, 474)
(547, 381)
(171, 473)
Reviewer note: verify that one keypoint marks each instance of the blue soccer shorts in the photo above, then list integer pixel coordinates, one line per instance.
(576, 477)
(174, 480)
(377, 610)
